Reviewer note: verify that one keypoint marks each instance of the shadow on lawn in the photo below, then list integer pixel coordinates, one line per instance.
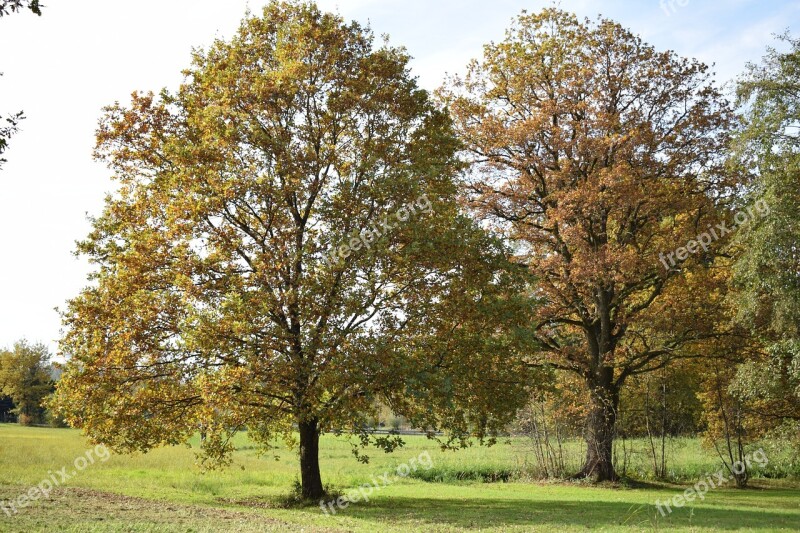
(483, 512)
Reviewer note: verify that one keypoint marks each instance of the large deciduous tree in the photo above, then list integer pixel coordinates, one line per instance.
(599, 156)
(767, 271)
(286, 249)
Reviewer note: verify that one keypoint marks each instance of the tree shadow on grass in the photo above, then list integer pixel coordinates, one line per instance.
(552, 515)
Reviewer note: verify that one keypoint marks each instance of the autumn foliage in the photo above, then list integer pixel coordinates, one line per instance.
(302, 236)
(217, 304)
(595, 154)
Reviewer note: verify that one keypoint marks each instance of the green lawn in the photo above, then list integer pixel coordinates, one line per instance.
(164, 491)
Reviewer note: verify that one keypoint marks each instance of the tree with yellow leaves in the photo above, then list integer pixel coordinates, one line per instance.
(286, 250)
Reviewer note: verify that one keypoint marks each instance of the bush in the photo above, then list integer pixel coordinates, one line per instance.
(396, 422)
(452, 474)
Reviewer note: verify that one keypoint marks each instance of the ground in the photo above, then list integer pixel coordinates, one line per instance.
(164, 491)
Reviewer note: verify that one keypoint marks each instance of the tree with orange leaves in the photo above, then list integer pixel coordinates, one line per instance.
(601, 159)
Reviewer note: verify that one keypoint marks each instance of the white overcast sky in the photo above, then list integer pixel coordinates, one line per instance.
(63, 67)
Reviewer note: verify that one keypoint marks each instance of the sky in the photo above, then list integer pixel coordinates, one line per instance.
(81, 55)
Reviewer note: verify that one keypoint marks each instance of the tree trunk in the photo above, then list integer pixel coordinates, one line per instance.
(310, 478)
(600, 423)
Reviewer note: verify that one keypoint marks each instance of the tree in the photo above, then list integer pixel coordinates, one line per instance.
(552, 418)
(730, 427)
(25, 378)
(598, 156)
(768, 265)
(661, 405)
(12, 121)
(286, 251)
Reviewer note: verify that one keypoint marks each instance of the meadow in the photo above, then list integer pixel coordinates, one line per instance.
(165, 491)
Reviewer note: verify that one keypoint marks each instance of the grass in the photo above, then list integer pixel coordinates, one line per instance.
(164, 491)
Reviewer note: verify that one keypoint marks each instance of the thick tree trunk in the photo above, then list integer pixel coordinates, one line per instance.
(600, 423)
(310, 478)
